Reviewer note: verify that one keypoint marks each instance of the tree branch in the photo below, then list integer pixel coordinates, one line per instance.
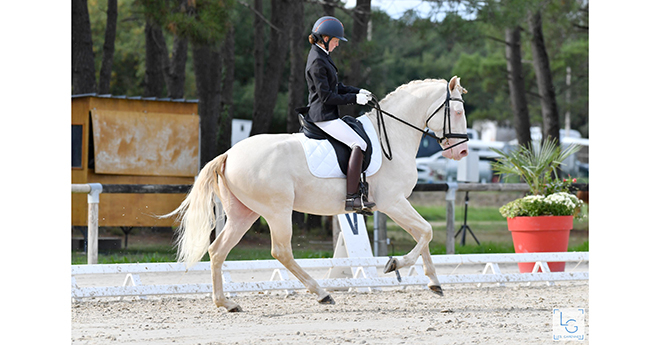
(340, 6)
(260, 15)
(581, 27)
(497, 39)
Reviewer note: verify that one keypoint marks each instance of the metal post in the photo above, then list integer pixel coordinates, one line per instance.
(93, 223)
(336, 230)
(380, 234)
(450, 197)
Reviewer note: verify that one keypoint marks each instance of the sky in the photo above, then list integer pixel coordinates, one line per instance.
(396, 8)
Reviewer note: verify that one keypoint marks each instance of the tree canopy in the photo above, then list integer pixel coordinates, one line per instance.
(468, 43)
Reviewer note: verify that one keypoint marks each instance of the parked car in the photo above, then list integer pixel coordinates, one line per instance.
(436, 169)
(432, 167)
(424, 174)
(429, 146)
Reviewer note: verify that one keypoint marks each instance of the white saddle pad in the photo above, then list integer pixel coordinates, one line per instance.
(322, 159)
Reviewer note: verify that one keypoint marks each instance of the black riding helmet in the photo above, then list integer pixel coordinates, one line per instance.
(328, 26)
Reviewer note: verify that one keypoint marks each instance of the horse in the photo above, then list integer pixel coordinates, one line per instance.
(267, 175)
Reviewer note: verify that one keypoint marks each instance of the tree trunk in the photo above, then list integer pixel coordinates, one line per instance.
(297, 71)
(175, 68)
(259, 43)
(544, 78)
(226, 103)
(207, 64)
(297, 85)
(108, 48)
(362, 16)
(517, 85)
(83, 79)
(329, 7)
(266, 97)
(156, 52)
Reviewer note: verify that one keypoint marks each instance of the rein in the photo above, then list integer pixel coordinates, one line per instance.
(445, 134)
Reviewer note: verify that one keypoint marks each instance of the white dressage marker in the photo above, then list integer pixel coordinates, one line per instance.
(353, 242)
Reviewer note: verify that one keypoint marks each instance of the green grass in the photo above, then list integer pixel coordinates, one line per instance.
(439, 213)
(486, 222)
(138, 254)
(166, 253)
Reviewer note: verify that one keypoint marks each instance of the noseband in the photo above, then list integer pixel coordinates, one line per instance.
(446, 127)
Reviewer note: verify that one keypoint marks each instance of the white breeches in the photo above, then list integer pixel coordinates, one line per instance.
(339, 130)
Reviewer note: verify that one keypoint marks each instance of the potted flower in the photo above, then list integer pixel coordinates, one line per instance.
(542, 220)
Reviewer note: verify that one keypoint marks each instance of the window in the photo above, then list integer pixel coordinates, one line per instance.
(76, 146)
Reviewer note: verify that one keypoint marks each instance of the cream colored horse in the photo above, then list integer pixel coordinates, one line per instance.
(267, 175)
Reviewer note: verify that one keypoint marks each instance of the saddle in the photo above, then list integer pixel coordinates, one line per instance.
(342, 151)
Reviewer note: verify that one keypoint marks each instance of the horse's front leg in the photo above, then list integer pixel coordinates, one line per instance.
(410, 220)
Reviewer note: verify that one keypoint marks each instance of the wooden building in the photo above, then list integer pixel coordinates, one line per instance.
(132, 140)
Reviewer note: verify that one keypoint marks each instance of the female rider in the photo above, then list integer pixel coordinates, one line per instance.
(326, 93)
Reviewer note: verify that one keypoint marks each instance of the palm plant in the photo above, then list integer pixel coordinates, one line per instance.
(535, 164)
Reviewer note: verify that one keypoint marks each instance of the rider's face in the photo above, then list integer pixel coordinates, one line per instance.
(334, 43)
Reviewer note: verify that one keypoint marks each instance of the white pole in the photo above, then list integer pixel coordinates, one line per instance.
(93, 223)
(450, 197)
(567, 117)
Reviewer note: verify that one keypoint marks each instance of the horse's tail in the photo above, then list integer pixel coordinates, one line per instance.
(195, 214)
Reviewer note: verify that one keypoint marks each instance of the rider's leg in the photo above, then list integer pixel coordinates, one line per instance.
(353, 200)
(339, 130)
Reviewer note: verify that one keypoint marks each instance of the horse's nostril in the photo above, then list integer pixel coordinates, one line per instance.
(463, 153)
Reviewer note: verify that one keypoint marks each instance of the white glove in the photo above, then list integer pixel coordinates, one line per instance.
(362, 99)
(365, 92)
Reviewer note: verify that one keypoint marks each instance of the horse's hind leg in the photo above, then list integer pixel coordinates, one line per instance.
(280, 233)
(239, 220)
(407, 217)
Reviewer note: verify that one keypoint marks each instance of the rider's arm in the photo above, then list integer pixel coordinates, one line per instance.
(319, 75)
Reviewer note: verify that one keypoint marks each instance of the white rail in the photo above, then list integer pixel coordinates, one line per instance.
(132, 284)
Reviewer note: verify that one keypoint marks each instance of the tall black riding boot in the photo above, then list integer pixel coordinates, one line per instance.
(354, 201)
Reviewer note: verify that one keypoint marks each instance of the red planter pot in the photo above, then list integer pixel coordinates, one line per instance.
(540, 234)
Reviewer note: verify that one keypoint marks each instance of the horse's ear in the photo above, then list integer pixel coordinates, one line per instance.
(453, 82)
(460, 87)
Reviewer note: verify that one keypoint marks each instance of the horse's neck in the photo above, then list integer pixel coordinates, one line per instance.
(410, 107)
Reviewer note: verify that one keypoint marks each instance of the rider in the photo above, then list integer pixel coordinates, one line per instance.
(326, 93)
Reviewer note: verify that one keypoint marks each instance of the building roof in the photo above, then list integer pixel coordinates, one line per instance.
(167, 99)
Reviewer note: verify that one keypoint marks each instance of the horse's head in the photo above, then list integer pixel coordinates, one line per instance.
(447, 118)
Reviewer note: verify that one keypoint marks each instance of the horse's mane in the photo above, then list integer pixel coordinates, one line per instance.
(414, 82)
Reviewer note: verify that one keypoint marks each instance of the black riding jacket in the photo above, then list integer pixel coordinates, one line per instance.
(325, 90)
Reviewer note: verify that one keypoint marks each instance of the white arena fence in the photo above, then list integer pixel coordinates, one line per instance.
(364, 276)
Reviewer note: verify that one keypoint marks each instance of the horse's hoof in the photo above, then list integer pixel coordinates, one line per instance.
(391, 266)
(327, 300)
(235, 309)
(436, 289)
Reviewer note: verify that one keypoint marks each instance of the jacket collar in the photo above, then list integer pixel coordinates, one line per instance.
(323, 52)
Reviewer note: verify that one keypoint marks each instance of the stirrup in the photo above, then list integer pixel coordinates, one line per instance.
(364, 207)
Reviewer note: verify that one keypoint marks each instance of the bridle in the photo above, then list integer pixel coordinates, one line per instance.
(446, 127)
